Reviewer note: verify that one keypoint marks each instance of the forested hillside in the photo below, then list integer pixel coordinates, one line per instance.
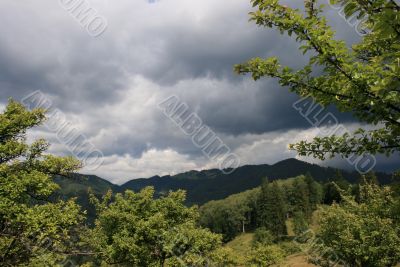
(203, 186)
(267, 206)
(278, 221)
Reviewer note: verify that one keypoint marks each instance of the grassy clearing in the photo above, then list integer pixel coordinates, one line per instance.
(241, 245)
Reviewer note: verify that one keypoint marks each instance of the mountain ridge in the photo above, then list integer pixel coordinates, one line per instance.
(205, 185)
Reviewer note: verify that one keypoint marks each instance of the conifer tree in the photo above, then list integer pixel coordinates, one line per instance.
(301, 197)
(315, 191)
(272, 209)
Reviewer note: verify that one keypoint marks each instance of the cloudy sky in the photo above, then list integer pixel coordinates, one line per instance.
(108, 87)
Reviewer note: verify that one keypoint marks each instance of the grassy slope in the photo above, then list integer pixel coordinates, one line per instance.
(241, 245)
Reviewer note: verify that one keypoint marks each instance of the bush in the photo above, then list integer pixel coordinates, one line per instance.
(267, 255)
(290, 248)
(262, 236)
(300, 224)
(224, 256)
(363, 232)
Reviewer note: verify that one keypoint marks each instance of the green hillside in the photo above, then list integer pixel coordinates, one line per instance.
(207, 185)
(78, 186)
(203, 186)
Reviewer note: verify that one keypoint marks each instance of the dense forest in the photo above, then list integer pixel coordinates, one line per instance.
(268, 207)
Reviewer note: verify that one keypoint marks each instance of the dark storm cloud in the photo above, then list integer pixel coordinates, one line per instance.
(55, 55)
(110, 86)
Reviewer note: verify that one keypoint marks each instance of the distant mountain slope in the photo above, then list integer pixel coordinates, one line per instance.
(78, 185)
(209, 185)
(81, 182)
(202, 186)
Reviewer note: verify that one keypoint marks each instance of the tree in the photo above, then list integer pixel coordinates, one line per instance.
(300, 224)
(395, 184)
(362, 79)
(33, 230)
(272, 209)
(232, 215)
(301, 197)
(364, 233)
(222, 218)
(333, 187)
(137, 230)
(315, 191)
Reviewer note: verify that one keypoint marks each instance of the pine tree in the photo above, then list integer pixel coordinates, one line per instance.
(300, 224)
(272, 209)
(331, 192)
(301, 197)
(315, 191)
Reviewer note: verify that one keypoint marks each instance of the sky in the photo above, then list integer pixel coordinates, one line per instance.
(107, 80)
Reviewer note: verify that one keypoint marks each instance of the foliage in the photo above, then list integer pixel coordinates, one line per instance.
(290, 247)
(272, 209)
(204, 186)
(395, 185)
(262, 236)
(298, 195)
(303, 195)
(362, 79)
(33, 230)
(77, 186)
(315, 192)
(300, 224)
(137, 230)
(267, 255)
(263, 207)
(224, 256)
(242, 246)
(231, 215)
(333, 187)
(364, 233)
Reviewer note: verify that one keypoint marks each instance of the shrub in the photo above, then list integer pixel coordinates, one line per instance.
(262, 236)
(290, 248)
(267, 255)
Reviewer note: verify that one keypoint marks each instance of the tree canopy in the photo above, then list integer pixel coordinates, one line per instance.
(33, 229)
(362, 79)
(363, 232)
(137, 230)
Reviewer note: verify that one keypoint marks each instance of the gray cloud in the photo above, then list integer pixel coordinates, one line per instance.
(109, 86)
